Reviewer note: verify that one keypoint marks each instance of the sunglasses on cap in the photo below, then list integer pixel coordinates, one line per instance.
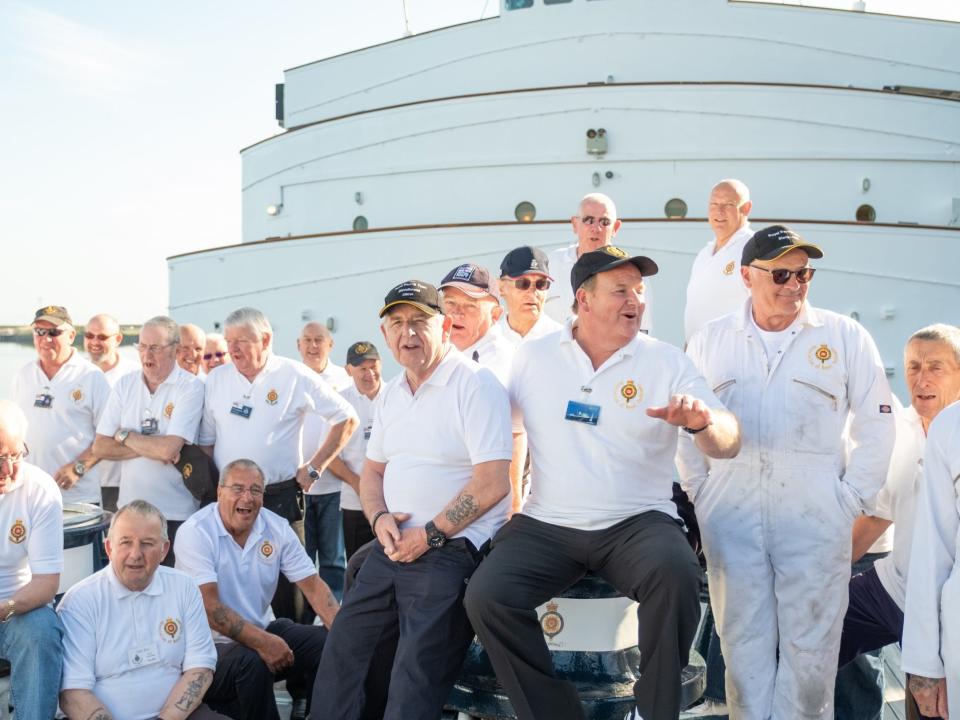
(781, 275)
(217, 355)
(51, 332)
(524, 283)
(101, 338)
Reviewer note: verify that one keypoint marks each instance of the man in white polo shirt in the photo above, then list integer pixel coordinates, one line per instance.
(31, 559)
(149, 417)
(435, 487)
(524, 283)
(236, 551)
(601, 404)
(255, 408)
(190, 349)
(62, 395)
(136, 642)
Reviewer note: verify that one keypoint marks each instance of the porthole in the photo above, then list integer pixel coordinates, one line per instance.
(866, 213)
(360, 223)
(675, 208)
(525, 212)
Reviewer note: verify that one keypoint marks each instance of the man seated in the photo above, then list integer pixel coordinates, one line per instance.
(31, 558)
(235, 550)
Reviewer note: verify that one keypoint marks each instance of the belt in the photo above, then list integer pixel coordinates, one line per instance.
(279, 487)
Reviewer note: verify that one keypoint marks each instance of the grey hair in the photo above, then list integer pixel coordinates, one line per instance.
(589, 285)
(216, 337)
(13, 422)
(599, 198)
(251, 318)
(241, 464)
(940, 332)
(738, 186)
(168, 325)
(144, 509)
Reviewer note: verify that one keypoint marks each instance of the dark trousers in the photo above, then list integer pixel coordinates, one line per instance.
(286, 500)
(109, 496)
(172, 527)
(242, 685)
(424, 601)
(646, 558)
(356, 531)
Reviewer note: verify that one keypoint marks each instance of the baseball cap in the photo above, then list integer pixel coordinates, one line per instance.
(469, 278)
(56, 314)
(775, 241)
(420, 294)
(607, 258)
(525, 260)
(360, 351)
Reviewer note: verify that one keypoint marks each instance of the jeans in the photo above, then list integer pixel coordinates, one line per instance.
(323, 538)
(33, 644)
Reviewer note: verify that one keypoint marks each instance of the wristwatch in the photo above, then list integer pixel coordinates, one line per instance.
(9, 608)
(312, 472)
(121, 436)
(79, 468)
(435, 537)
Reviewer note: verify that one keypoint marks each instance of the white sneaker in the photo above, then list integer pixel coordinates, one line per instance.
(707, 708)
(632, 715)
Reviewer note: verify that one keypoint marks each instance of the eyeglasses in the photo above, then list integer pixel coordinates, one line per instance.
(45, 332)
(217, 355)
(524, 283)
(781, 275)
(101, 338)
(14, 459)
(239, 490)
(590, 220)
(151, 348)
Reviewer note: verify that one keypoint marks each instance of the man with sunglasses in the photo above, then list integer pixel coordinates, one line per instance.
(63, 395)
(215, 352)
(776, 520)
(524, 283)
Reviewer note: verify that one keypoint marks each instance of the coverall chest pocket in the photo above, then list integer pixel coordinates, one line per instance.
(727, 392)
(814, 406)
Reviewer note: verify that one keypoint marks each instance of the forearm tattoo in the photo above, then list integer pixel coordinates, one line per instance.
(100, 714)
(193, 692)
(918, 683)
(227, 621)
(464, 508)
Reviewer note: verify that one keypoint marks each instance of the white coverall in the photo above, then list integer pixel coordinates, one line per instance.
(776, 520)
(931, 629)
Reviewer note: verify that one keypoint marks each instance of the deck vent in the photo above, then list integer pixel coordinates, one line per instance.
(525, 212)
(675, 208)
(278, 103)
(360, 223)
(597, 141)
(866, 213)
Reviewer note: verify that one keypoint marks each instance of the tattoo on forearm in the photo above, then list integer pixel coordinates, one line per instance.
(193, 692)
(229, 623)
(464, 508)
(919, 684)
(100, 714)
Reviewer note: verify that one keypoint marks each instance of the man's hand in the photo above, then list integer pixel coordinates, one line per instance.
(388, 531)
(683, 411)
(303, 478)
(413, 544)
(930, 694)
(65, 477)
(275, 652)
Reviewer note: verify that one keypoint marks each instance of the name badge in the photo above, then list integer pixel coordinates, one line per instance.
(142, 656)
(149, 426)
(582, 412)
(366, 432)
(43, 400)
(243, 411)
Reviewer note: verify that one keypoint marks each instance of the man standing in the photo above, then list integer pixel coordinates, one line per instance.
(215, 352)
(434, 487)
(776, 521)
(101, 338)
(315, 344)
(524, 283)
(715, 288)
(190, 349)
(62, 395)
(595, 225)
(149, 417)
(236, 551)
(256, 407)
(601, 404)
(31, 559)
(136, 639)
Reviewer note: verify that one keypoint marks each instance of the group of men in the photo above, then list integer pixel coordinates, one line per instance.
(513, 453)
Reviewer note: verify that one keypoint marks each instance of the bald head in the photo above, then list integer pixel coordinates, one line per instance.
(13, 423)
(190, 352)
(315, 343)
(596, 222)
(728, 209)
(598, 199)
(101, 338)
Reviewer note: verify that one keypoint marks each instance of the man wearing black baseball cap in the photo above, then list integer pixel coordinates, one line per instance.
(524, 283)
(810, 391)
(600, 402)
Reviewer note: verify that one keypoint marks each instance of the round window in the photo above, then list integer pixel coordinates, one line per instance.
(675, 208)
(360, 223)
(866, 213)
(525, 212)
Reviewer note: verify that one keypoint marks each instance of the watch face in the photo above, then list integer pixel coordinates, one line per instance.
(436, 541)
(79, 469)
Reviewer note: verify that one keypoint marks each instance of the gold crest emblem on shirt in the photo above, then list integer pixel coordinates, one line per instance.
(822, 357)
(272, 397)
(170, 630)
(266, 550)
(551, 622)
(168, 410)
(628, 394)
(18, 532)
(728, 268)
(77, 395)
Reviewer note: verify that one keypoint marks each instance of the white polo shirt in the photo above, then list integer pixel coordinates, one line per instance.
(430, 441)
(492, 351)
(246, 577)
(355, 451)
(543, 326)
(110, 469)
(591, 477)
(315, 430)
(336, 376)
(262, 420)
(59, 432)
(176, 406)
(129, 648)
(715, 287)
(31, 523)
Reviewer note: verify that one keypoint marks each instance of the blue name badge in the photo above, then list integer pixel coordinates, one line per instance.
(582, 412)
(366, 432)
(149, 426)
(243, 411)
(43, 400)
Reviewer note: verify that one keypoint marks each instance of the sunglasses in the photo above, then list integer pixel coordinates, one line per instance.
(524, 283)
(590, 220)
(781, 275)
(101, 338)
(217, 355)
(48, 332)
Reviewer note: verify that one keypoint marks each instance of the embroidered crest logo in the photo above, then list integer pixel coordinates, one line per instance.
(77, 395)
(728, 268)
(614, 250)
(822, 357)
(187, 471)
(170, 630)
(361, 348)
(49, 310)
(18, 532)
(272, 397)
(266, 550)
(551, 622)
(168, 410)
(628, 394)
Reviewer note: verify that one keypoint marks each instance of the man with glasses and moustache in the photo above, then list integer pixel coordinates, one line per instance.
(236, 551)
(63, 395)
(215, 352)
(31, 559)
(149, 417)
(190, 349)
(524, 283)
(776, 520)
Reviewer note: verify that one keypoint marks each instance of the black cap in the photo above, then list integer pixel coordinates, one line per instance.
(607, 258)
(773, 242)
(55, 314)
(360, 351)
(199, 473)
(469, 278)
(420, 294)
(526, 260)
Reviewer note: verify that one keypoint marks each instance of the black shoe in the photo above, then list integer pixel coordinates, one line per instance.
(299, 709)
